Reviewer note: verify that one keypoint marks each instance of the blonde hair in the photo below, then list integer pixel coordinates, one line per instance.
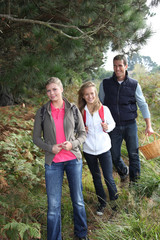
(81, 101)
(54, 80)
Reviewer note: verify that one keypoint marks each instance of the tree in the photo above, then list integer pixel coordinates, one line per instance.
(101, 73)
(138, 71)
(144, 61)
(155, 2)
(63, 38)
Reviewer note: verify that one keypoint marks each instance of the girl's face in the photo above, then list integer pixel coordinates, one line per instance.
(54, 92)
(89, 95)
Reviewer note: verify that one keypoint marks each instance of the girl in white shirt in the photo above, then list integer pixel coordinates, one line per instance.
(97, 146)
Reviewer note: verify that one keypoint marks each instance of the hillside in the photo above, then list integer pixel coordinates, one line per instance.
(23, 204)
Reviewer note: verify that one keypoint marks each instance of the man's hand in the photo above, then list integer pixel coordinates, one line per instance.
(149, 131)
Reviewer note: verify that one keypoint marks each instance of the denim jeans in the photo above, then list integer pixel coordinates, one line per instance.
(105, 161)
(129, 134)
(54, 178)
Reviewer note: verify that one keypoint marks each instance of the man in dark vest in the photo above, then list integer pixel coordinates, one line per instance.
(121, 94)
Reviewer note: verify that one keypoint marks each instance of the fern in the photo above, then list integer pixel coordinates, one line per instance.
(33, 230)
(19, 153)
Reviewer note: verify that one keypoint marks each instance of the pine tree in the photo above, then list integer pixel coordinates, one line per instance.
(59, 38)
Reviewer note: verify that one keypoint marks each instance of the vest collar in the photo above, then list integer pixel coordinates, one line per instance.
(115, 77)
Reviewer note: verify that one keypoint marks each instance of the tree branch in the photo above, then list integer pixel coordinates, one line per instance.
(51, 26)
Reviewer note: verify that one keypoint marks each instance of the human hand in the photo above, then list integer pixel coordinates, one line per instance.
(67, 145)
(149, 131)
(104, 126)
(86, 128)
(56, 148)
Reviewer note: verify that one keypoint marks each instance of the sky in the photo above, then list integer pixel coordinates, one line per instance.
(152, 48)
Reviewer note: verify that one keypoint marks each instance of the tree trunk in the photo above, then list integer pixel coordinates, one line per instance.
(6, 98)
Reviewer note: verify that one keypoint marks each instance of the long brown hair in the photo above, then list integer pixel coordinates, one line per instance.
(81, 101)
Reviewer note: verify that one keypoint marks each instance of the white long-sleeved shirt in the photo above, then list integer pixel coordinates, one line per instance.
(98, 141)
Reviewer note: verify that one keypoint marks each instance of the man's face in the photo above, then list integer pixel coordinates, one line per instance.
(120, 69)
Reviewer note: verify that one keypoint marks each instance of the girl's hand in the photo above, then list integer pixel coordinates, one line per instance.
(67, 145)
(86, 128)
(104, 126)
(56, 148)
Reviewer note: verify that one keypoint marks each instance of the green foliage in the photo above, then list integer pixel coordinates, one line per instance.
(23, 200)
(20, 162)
(73, 44)
(144, 62)
(22, 178)
(101, 74)
(129, 227)
(150, 180)
(151, 88)
(138, 70)
(138, 213)
(138, 209)
(16, 230)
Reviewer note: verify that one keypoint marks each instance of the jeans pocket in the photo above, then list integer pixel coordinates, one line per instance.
(47, 166)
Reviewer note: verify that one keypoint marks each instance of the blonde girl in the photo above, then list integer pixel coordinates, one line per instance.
(62, 154)
(96, 147)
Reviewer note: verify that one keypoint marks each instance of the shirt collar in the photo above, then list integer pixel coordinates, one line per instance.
(55, 109)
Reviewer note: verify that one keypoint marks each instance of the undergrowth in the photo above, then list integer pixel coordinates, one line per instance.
(23, 201)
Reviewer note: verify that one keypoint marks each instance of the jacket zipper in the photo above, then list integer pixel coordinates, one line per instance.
(118, 102)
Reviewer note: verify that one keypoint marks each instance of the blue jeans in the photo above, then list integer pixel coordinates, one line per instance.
(106, 165)
(54, 178)
(129, 134)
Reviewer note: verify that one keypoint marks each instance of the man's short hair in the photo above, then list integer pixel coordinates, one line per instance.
(121, 57)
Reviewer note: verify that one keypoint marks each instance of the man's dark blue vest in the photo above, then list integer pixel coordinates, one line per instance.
(120, 99)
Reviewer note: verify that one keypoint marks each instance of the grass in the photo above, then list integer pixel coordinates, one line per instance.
(23, 202)
(138, 212)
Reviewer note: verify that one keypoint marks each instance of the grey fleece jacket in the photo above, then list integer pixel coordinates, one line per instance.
(49, 131)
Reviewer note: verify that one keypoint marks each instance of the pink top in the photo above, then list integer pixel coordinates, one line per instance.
(58, 116)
